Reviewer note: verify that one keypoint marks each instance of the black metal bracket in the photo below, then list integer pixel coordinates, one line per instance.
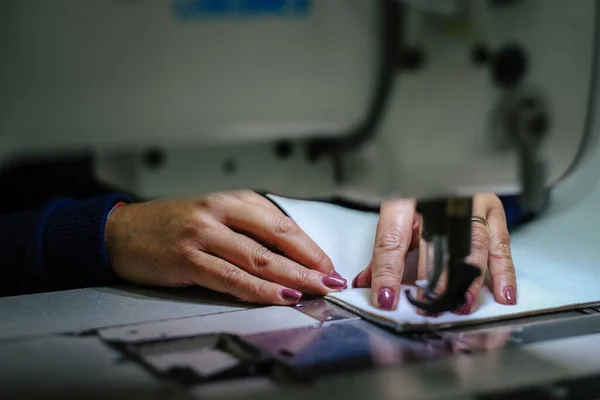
(460, 277)
(390, 42)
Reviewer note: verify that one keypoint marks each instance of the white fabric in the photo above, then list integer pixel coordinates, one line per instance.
(347, 236)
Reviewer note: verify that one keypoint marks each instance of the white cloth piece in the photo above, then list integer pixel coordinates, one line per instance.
(347, 237)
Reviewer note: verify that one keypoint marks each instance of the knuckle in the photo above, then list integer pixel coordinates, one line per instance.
(214, 201)
(320, 259)
(386, 273)
(505, 261)
(390, 241)
(506, 272)
(203, 220)
(231, 278)
(501, 247)
(284, 225)
(261, 257)
(479, 240)
(259, 289)
(303, 277)
(196, 224)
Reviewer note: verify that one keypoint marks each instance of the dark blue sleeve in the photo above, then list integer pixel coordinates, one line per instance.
(57, 247)
(515, 214)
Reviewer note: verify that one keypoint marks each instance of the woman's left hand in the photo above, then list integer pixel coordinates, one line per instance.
(398, 233)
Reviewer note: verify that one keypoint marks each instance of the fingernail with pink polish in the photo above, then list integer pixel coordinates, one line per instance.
(511, 295)
(291, 295)
(335, 274)
(385, 300)
(354, 281)
(466, 307)
(333, 282)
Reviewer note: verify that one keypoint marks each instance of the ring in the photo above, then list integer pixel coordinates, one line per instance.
(481, 220)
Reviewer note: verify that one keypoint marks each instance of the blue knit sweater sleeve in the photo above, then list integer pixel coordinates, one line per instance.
(515, 214)
(59, 246)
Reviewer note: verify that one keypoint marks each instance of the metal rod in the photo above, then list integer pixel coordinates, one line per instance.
(438, 264)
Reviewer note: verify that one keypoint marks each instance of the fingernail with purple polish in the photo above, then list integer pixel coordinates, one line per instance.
(466, 307)
(385, 299)
(354, 281)
(511, 295)
(291, 295)
(334, 282)
(334, 273)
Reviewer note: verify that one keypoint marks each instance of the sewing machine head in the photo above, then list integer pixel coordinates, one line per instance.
(364, 99)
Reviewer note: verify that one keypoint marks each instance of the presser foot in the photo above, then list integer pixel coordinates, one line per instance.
(460, 277)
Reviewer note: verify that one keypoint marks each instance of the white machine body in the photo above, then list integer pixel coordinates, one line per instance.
(181, 97)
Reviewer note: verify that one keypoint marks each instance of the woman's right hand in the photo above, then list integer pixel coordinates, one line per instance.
(237, 243)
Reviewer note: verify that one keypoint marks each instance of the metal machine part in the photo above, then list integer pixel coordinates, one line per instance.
(447, 226)
(311, 354)
(245, 322)
(302, 98)
(192, 350)
(524, 121)
(357, 344)
(324, 311)
(544, 355)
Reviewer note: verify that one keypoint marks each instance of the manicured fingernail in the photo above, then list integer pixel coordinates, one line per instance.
(385, 299)
(468, 304)
(334, 282)
(334, 273)
(291, 295)
(511, 295)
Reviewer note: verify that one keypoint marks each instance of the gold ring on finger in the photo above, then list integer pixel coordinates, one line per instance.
(481, 220)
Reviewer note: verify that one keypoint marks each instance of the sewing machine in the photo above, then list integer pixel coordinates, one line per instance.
(363, 99)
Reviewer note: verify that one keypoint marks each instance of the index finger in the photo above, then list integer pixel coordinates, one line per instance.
(255, 198)
(276, 230)
(392, 242)
(501, 266)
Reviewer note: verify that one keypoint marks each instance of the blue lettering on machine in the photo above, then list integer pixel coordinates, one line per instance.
(209, 9)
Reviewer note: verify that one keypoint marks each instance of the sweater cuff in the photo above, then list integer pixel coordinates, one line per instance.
(515, 214)
(74, 248)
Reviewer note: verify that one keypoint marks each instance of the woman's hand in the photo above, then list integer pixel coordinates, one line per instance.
(398, 232)
(237, 243)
